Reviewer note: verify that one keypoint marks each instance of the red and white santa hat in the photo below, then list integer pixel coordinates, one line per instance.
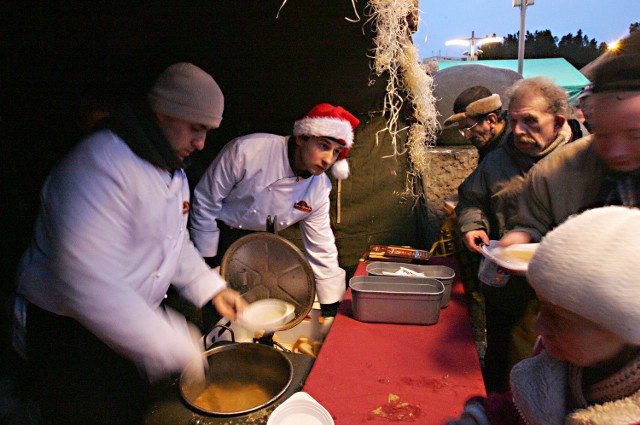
(334, 122)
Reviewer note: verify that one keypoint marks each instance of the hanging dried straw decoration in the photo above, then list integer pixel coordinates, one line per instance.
(396, 55)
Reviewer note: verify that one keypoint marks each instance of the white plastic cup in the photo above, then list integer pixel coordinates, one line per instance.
(492, 274)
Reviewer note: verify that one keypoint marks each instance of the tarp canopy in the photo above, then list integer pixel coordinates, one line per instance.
(557, 70)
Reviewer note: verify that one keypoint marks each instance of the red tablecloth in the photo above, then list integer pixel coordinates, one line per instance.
(433, 367)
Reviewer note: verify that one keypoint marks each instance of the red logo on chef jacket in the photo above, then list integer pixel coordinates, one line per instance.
(302, 206)
(185, 207)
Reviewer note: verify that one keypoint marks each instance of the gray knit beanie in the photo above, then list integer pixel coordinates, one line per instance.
(187, 92)
(590, 265)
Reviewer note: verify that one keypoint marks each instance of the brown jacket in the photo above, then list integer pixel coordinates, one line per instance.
(490, 194)
(562, 184)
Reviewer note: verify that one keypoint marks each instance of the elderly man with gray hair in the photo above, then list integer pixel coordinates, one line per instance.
(602, 169)
(537, 111)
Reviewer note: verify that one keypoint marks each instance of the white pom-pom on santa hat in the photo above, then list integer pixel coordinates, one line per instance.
(334, 122)
(340, 168)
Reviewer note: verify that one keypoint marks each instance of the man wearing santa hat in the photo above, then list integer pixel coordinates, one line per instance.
(262, 175)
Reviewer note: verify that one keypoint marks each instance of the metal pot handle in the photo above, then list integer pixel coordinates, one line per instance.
(267, 339)
(223, 328)
(272, 224)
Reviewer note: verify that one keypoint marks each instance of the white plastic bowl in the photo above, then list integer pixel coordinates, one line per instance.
(300, 409)
(504, 257)
(266, 315)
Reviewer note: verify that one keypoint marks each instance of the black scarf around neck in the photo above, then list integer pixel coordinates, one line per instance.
(138, 128)
(292, 149)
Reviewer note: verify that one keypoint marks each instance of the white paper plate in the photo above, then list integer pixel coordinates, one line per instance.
(510, 257)
(300, 409)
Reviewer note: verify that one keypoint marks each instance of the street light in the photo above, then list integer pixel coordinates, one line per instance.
(522, 4)
(473, 42)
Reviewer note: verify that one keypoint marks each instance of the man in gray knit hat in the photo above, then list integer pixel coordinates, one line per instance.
(109, 241)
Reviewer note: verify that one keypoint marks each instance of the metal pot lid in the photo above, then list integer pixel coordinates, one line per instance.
(263, 265)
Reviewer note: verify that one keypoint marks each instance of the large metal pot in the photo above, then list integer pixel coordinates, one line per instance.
(245, 376)
(242, 377)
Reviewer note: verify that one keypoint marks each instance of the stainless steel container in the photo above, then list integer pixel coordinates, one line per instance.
(443, 273)
(396, 300)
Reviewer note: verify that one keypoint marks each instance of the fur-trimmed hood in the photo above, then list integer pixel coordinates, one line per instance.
(539, 387)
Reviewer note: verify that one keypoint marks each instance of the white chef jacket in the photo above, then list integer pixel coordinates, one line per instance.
(110, 239)
(251, 179)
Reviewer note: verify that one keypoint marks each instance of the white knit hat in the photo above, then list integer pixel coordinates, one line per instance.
(590, 265)
(187, 92)
(326, 120)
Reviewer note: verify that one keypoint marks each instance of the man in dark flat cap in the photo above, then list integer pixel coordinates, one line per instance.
(480, 118)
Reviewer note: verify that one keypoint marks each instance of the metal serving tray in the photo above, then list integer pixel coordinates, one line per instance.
(443, 273)
(396, 300)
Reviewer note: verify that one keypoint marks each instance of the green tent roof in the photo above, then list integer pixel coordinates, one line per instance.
(557, 70)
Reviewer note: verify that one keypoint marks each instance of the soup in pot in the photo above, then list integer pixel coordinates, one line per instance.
(231, 397)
